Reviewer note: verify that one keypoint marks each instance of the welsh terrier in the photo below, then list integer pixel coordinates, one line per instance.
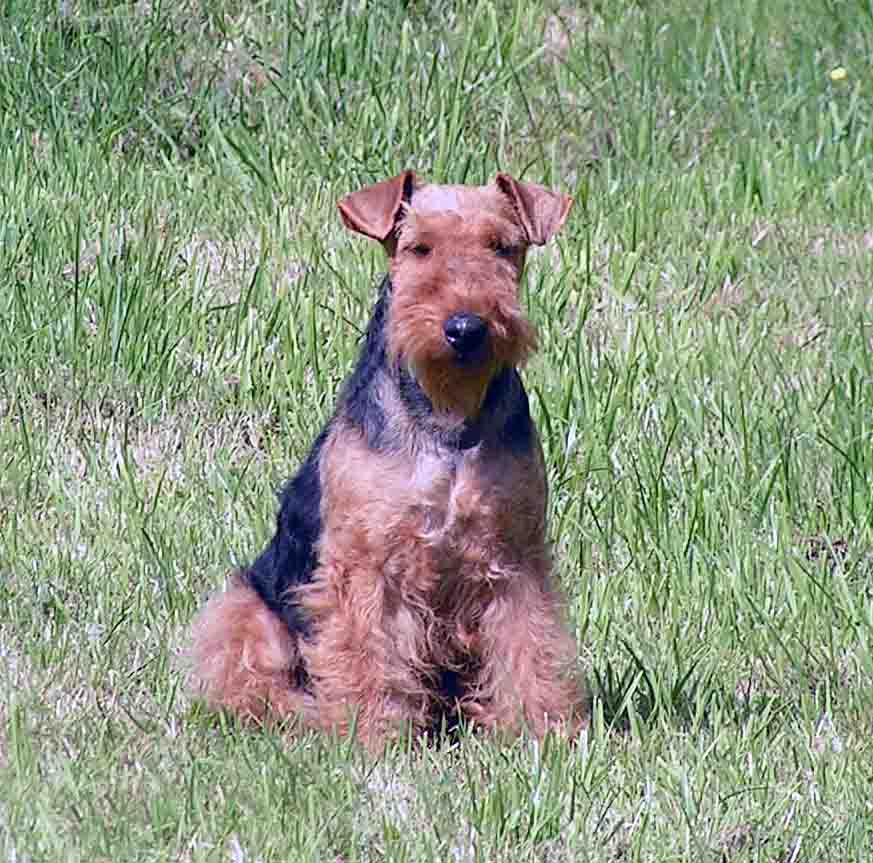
(408, 584)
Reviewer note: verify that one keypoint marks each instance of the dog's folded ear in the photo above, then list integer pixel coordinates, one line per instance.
(374, 210)
(540, 211)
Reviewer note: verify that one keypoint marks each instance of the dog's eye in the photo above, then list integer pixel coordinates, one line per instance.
(422, 250)
(504, 251)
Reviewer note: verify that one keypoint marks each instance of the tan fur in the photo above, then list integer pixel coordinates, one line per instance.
(424, 568)
(241, 655)
(430, 559)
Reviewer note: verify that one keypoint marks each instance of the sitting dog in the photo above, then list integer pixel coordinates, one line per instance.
(408, 583)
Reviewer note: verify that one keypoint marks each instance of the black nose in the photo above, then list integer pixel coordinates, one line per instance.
(465, 333)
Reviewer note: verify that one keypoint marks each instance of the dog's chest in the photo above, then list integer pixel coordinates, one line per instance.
(438, 488)
(464, 509)
(433, 515)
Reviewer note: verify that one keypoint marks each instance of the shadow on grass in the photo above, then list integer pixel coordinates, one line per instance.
(688, 694)
(631, 692)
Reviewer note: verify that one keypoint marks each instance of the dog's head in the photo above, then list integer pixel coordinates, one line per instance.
(456, 255)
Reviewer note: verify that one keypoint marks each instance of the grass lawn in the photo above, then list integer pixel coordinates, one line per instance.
(179, 304)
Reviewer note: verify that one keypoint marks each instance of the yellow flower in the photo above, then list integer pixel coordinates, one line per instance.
(839, 74)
